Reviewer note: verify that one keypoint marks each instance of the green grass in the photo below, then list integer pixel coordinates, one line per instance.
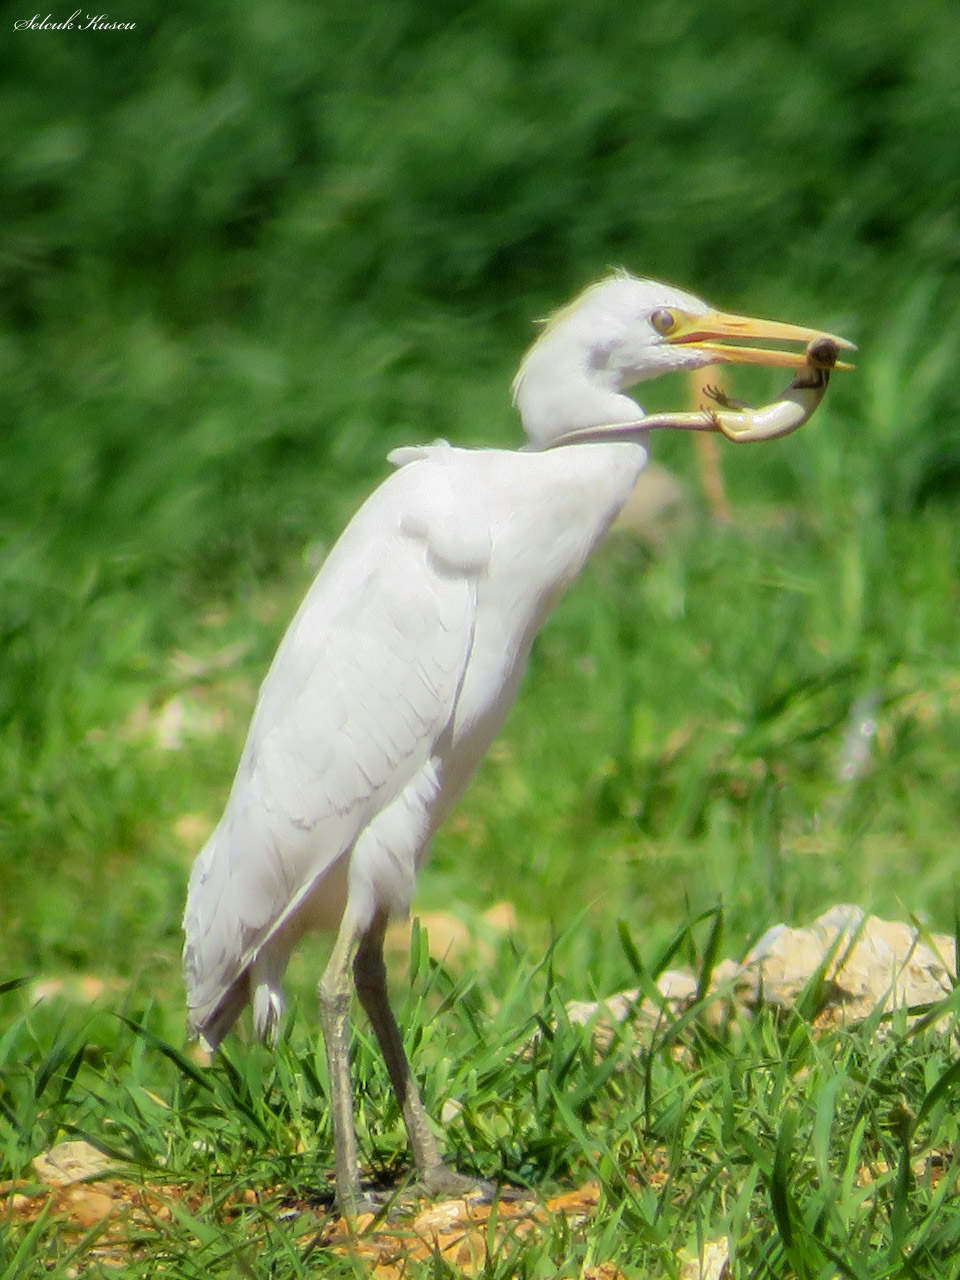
(675, 746)
(815, 1154)
(249, 249)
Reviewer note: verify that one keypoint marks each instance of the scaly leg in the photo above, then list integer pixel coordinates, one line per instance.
(370, 976)
(334, 993)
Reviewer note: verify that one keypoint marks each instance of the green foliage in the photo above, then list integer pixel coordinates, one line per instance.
(248, 248)
(814, 1155)
(341, 155)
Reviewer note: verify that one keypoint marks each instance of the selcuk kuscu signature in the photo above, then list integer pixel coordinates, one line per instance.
(89, 22)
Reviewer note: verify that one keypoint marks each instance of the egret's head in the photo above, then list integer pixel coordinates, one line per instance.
(621, 331)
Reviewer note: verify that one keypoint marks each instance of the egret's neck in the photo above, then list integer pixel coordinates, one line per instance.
(555, 398)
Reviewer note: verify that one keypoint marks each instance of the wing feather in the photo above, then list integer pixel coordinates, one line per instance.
(363, 685)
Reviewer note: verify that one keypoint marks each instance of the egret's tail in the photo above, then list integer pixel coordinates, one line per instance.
(217, 983)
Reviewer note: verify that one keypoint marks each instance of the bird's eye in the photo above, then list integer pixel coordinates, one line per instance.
(664, 321)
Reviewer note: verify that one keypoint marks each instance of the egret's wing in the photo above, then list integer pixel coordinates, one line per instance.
(363, 684)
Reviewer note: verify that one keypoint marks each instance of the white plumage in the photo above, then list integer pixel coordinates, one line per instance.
(387, 689)
(398, 670)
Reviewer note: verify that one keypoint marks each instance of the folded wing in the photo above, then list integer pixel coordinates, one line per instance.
(362, 688)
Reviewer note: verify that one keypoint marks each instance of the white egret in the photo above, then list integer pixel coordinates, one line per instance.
(405, 656)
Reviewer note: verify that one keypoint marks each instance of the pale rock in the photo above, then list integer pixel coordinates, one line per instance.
(70, 1162)
(866, 963)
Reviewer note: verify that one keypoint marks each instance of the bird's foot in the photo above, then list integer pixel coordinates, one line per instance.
(370, 1198)
(437, 1182)
(441, 1180)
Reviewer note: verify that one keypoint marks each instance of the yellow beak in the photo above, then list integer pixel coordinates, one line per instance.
(703, 332)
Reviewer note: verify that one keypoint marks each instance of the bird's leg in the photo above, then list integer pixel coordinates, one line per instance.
(370, 977)
(334, 992)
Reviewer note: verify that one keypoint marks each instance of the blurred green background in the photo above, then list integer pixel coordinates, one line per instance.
(249, 247)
